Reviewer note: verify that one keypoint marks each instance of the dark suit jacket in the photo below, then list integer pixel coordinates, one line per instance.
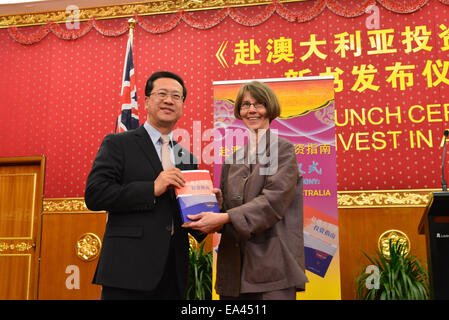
(262, 249)
(137, 236)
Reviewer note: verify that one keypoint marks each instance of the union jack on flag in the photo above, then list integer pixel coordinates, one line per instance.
(129, 116)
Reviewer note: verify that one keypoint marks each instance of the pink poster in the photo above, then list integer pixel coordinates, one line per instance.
(307, 120)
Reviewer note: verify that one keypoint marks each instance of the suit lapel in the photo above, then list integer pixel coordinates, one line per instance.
(241, 156)
(183, 159)
(147, 147)
(178, 153)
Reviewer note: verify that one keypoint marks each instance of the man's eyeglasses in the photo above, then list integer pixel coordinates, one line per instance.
(163, 95)
(246, 105)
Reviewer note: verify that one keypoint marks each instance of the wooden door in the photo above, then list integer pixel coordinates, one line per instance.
(21, 191)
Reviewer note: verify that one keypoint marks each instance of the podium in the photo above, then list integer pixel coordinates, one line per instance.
(435, 225)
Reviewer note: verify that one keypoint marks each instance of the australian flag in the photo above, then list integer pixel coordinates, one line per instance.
(129, 116)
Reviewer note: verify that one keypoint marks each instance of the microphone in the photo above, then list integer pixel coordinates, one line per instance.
(443, 182)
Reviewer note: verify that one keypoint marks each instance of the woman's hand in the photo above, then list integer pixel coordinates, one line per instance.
(207, 222)
(219, 196)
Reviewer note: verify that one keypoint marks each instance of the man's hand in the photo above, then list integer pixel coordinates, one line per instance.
(167, 178)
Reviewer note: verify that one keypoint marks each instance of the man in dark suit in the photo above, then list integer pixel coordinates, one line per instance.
(145, 250)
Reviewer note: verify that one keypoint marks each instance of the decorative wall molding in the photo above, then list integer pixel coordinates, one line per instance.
(384, 198)
(18, 246)
(125, 10)
(395, 236)
(345, 200)
(340, 7)
(66, 205)
(88, 247)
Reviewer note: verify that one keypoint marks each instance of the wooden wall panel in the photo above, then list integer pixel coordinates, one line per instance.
(360, 227)
(63, 274)
(17, 269)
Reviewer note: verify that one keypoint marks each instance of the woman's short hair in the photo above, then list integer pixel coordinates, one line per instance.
(263, 94)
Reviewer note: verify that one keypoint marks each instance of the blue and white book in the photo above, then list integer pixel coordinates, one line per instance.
(196, 196)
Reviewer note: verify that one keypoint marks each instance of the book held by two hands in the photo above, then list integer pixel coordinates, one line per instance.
(197, 194)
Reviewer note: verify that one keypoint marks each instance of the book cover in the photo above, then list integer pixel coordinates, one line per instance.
(320, 240)
(196, 196)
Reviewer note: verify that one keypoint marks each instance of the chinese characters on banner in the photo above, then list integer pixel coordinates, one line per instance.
(391, 87)
(363, 76)
(307, 109)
